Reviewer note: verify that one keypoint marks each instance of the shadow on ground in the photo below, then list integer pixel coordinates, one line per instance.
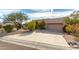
(22, 33)
(49, 32)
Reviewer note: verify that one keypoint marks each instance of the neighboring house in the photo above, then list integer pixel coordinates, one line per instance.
(55, 24)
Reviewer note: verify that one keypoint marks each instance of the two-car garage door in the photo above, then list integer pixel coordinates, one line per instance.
(55, 26)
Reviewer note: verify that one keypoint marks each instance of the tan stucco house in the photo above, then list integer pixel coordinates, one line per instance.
(55, 24)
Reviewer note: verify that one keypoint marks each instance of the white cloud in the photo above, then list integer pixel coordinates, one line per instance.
(48, 15)
(38, 15)
(41, 10)
(7, 11)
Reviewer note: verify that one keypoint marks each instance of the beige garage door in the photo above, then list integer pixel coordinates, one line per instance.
(55, 26)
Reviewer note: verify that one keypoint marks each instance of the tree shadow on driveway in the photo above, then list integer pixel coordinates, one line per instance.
(23, 33)
(49, 32)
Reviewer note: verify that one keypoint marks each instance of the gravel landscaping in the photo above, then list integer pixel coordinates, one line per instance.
(72, 40)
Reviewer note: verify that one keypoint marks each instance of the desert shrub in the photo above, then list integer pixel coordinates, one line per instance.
(64, 28)
(76, 34)
(76, 27)
(69, 29)
(36, 25)
(8, 27)
(76, 39)
(42, 24)
(31, 25)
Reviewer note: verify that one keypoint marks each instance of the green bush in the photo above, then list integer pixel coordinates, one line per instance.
(32, 25)
(8, 27)
(69, 29)
(36, 25)
(42, 24)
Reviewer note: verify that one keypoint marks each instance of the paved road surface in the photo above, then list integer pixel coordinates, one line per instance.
(9, 46)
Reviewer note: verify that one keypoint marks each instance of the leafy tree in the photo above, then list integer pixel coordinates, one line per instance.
(15, 18)
(75, 14)
(37, 25)
(72, 23)
(18, 25)
(67, 20)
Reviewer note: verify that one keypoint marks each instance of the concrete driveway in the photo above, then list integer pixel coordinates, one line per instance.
(42, 36)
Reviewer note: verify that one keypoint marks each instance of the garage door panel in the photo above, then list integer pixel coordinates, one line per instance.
(55, 27)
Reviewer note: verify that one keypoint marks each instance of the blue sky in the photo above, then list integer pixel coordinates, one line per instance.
(37, 13)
